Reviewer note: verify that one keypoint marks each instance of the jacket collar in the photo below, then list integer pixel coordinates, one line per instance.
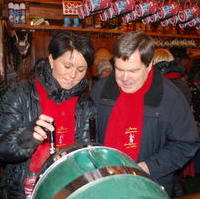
(44, 75)
(152, 97)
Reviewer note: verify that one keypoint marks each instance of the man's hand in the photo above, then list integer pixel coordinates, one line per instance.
(144, 167)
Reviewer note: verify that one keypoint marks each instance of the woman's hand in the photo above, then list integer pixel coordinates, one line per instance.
(43, 122)
(57, 157)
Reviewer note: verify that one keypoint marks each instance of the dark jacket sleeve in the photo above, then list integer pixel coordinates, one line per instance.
(181, 140)
(16, 128)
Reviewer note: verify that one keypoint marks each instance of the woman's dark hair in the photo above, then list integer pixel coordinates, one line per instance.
(128, 43)
(68, 41)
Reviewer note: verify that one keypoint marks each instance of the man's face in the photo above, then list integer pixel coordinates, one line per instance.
(132, 73)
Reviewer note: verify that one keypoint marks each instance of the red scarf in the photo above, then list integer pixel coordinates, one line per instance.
(64, 123)
(173, 75)
(125, 125)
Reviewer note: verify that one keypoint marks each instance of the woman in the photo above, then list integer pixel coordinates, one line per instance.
(52, 101)
(164, 61)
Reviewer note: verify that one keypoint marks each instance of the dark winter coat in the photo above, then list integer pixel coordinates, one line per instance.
(166, 67)
(169, 137)
(19, 110)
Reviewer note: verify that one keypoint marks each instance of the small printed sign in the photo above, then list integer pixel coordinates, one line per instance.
(71, 7)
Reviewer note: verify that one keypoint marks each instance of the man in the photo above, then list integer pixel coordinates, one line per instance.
(143, 114)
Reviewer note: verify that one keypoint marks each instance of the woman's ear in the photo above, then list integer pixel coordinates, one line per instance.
(51, 60)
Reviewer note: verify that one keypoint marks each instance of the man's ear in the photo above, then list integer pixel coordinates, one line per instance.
(150, 66)
(51, 60)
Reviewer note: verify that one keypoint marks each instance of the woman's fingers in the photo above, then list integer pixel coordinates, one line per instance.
(63, 153)
(43, 124)
(38, 137)
(39, 133)
(45, 118)
(47, 126)
(57, 157)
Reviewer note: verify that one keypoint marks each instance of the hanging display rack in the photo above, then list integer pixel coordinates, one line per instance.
(185, 38)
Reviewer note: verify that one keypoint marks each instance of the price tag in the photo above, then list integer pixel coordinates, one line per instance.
(71, 7)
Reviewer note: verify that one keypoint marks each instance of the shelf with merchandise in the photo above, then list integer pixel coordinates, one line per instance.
(96, 30)
(53, 13)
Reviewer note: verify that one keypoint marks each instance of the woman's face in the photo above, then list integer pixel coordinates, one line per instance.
(68, 69)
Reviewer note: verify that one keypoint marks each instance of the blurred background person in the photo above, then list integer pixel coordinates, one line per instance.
(181, 56)
(104, 69)
(169, 67)
(194, 82)
(101, 55)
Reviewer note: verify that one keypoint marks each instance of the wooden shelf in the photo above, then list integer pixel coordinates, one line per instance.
(58, 2)
(95, 30)
(55, 27)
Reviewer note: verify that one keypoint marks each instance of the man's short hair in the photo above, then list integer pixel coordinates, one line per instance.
(128, 43)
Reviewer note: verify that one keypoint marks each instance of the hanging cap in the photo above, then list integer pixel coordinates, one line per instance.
(22, 6)
(10, 5)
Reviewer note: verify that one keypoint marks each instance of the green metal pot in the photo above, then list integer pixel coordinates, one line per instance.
(95, 172)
